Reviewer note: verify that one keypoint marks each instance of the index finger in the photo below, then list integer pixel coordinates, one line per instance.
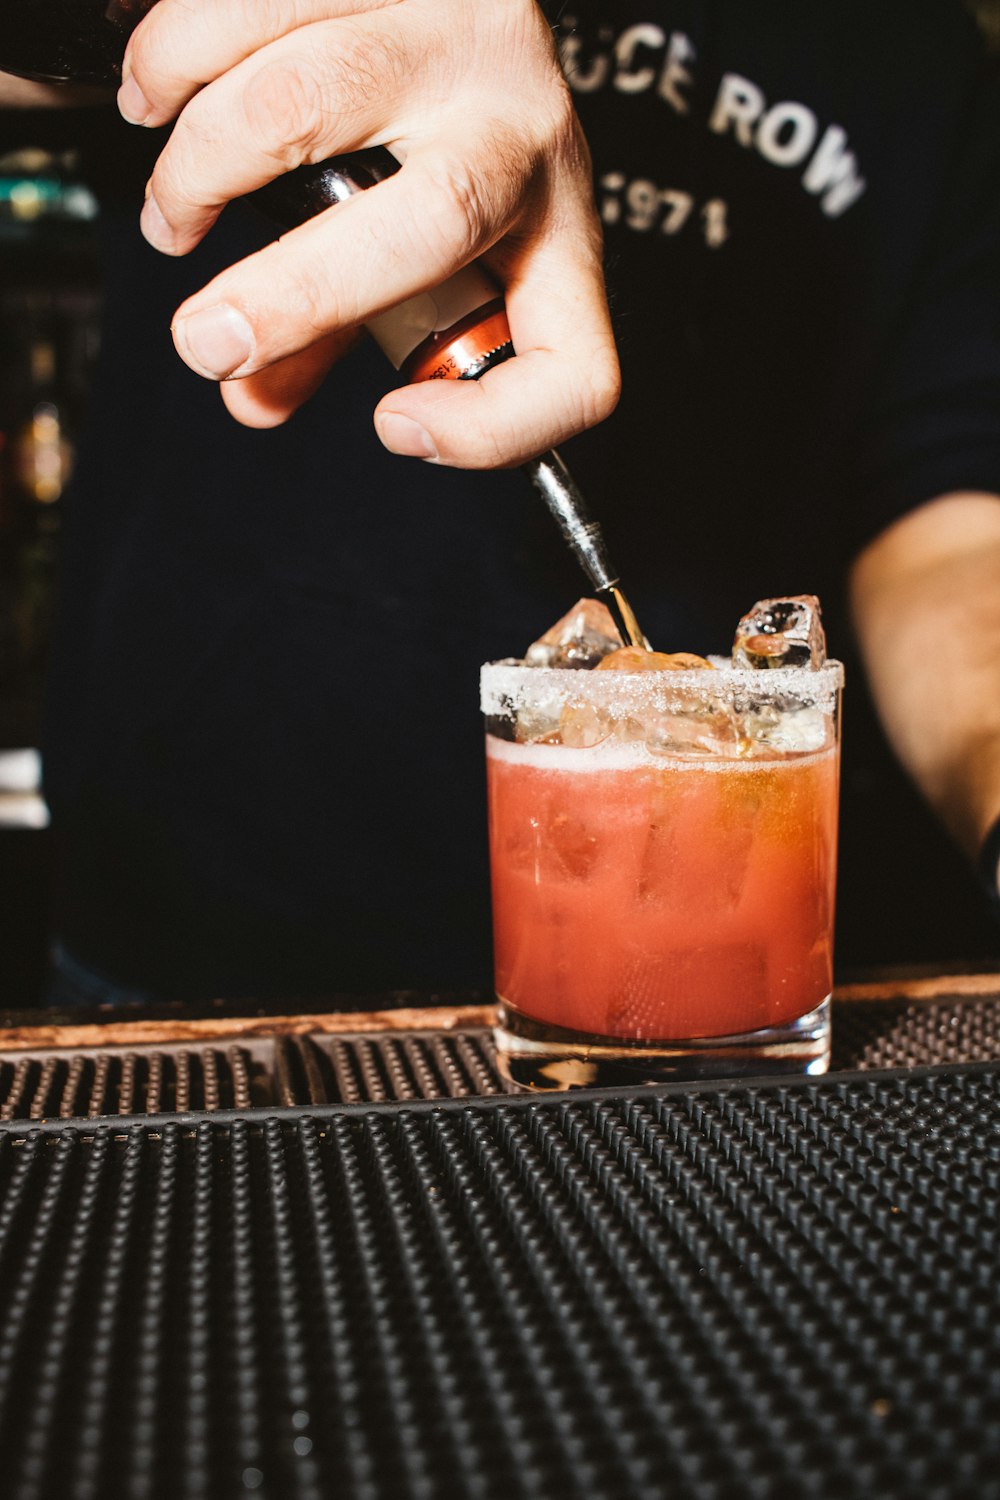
(178, 48)
(305, 97)
(345, 266)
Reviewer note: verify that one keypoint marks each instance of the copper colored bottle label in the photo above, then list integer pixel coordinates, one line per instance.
(462, 351)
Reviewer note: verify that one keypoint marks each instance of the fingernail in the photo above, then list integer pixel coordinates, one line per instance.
(215, 342)
(133, 105)
(154, 226)
(402, 435)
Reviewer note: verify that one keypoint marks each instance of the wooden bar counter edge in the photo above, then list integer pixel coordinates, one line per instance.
(19, 1031)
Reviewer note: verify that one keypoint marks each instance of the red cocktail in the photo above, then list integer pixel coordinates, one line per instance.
(663, 862)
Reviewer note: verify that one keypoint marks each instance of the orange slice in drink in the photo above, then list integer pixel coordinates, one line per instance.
(633, 659)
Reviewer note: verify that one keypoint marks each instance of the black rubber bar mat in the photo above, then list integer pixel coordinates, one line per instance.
(773, 1291)
(315, 1068)
(264, 1071)
(915, 1033)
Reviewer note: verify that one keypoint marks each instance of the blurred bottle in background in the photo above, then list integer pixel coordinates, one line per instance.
(41, 462)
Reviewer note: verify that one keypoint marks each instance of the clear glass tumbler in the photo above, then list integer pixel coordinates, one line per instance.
(663, 862)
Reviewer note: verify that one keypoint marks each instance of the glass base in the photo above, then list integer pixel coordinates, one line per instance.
(534, 1055)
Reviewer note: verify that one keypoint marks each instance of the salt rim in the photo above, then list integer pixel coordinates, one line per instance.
(508, 687)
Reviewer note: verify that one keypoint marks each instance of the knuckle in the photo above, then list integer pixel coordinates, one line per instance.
(273, 17)
(603, 387)
(309, 295)
(560, 144)
(159, 53)
(461, 208)
(487, 447)
(497, 443)
(290, 104)
(282, 106)
(144, 56)
(179, 172)
(362, 66)
(560, 125)
(465, 215)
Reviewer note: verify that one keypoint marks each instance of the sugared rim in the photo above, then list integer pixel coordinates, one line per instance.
(509, 685)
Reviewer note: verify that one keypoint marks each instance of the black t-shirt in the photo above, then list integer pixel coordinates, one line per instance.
(264, 753)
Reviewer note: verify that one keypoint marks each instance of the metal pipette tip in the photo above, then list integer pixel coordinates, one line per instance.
(561, 494)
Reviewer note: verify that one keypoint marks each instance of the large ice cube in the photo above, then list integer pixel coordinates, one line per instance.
(781, 633)
(580, 639)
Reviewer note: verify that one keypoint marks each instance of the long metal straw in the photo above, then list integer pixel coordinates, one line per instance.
(562, 495)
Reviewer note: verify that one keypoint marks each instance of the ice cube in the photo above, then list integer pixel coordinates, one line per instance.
(573, 845)
(634, 659)
(583, 725)
(580, 639)
(781, 633)
(697, 729)
(790, 729)
(534, 725)
(698, 732)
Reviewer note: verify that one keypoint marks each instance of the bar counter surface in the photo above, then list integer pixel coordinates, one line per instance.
(328, 1254)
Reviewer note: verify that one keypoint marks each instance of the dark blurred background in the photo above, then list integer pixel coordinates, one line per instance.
(49, 335)
(50, 307)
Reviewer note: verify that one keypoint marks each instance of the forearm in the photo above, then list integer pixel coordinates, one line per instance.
(925, 600)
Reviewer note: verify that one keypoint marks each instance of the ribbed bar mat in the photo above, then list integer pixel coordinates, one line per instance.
(276, 1070)
(314, 1068)
(915, 1033)
(776, 1291)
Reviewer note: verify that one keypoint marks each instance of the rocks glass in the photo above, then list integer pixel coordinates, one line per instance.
(663, 861)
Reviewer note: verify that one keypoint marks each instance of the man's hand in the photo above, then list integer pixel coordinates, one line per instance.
(926, 602)
(468, 94)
